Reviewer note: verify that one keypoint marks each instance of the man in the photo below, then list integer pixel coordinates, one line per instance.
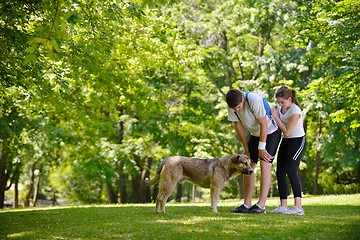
(248, 112)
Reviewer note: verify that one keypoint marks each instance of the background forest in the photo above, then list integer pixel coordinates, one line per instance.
(94, 94)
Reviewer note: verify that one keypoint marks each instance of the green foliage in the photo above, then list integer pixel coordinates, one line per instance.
(96, 88)
(332, 53)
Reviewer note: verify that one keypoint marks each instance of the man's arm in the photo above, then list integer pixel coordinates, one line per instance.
(242, 135)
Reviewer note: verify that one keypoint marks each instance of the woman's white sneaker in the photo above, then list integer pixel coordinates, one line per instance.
(295, 210)
(280, 209)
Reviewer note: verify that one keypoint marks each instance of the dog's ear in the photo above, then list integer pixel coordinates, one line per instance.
(235, 159)
(239, 158)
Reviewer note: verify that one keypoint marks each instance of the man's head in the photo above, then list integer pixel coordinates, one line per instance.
(234, 98)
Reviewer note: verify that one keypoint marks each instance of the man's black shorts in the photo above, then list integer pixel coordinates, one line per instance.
(272, 143)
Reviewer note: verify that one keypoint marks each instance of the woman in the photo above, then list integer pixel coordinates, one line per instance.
(289, 118)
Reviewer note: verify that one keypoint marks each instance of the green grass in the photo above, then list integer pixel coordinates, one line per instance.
(327, 217)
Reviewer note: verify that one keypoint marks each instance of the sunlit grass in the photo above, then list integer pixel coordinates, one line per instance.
(327, 217)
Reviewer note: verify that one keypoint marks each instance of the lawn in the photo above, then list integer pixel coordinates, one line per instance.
(326, 217)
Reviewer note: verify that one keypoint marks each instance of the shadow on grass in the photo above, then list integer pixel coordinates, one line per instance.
(180, 222)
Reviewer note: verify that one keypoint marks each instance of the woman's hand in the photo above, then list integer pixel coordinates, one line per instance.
(274, 112)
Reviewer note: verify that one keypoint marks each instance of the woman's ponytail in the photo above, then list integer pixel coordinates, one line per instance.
(293, 97)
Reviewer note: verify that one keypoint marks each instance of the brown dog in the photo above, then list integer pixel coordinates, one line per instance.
(207, 173)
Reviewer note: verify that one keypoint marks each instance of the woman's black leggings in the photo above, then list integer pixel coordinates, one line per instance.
(288, 161)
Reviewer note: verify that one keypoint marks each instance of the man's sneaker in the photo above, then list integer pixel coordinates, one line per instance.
(280, 209)
(240, 209)
(256, 209)
(295, 210)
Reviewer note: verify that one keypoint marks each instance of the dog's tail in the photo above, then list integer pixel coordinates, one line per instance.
(156, 179)
(153, 181)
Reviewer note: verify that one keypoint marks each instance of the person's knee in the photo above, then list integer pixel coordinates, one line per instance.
(280, 173)
(265, 165)
(292, 173)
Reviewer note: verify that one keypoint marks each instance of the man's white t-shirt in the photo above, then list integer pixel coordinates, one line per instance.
(299, 128)
(250, 113)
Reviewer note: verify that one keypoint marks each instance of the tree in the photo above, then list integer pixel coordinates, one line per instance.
(108, 89)
(331, 30)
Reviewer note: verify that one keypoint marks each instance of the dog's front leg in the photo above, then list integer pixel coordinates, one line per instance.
(215, 195)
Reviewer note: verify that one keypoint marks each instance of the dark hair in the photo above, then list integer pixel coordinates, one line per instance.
(286, 93)
(233, 98)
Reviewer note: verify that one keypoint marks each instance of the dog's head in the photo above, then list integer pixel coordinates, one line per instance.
(243, 162)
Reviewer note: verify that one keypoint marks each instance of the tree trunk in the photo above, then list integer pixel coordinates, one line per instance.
(30, 189)
(16, 194)
(2, 176)
(231, 73)
(112, 194)
(316, 173)
(241, 70)
(302, 177)
(136, 196)
(264, 39)
(122, 175)
(141, 193)
(122, 184)
(36, 189)
(16, 185)
(193, 193)
(318, 154)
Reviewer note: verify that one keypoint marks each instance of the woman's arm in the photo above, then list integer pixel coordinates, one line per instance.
(287, 130)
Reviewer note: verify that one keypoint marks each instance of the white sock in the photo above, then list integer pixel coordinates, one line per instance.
(259, 206)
